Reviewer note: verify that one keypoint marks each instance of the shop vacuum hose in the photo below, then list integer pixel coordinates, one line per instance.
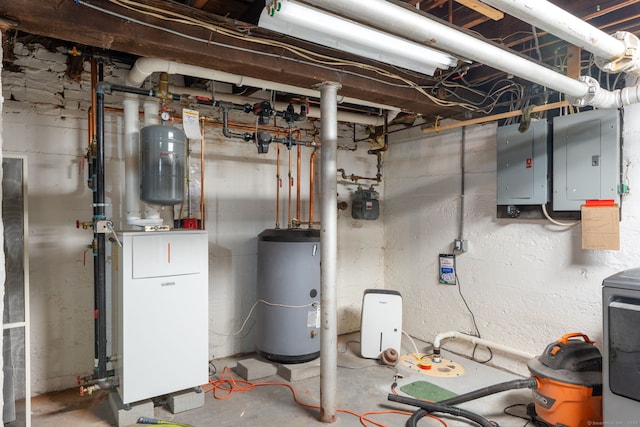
(446, 405)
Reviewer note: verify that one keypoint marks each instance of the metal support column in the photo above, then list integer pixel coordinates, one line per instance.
(329, 247)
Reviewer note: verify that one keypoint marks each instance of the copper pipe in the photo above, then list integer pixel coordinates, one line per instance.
(298, 183)
(495, 117)
(94, 83)
(290, 185)
(278, 185)
(91, 129)
(311, 185)
(202, 179)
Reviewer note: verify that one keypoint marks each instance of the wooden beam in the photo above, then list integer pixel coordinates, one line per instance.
(483, 9)
(199, 4)
(479, 20)
(66, 20)
(7, 24)
(495, 117)
(574, 54)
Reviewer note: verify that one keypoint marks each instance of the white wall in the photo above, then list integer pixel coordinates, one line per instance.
(240, 193)
(527, 281)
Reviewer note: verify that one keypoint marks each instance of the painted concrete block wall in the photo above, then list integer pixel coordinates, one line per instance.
(527, 281)
(240, 194)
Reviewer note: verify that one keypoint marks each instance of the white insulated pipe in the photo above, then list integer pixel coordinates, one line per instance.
(418, 27)
(557, 21)
(475, 340)
(615, 53)
(131, 151)
(151, 112)
(144, 67)
(151, 117)
(328, 251)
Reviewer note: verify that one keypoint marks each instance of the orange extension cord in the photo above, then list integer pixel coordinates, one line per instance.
(224, 387)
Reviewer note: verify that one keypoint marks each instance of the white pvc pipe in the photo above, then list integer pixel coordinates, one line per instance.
(144, 67)
(419, 27)
(486, 343)
(131, 152)
(602, 98)
(343, 116)
(151, 117)
(151, 112)
(328, 251)
(557, 21)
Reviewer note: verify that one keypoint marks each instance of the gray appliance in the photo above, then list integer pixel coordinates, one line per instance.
(288, 315)
(621, 356)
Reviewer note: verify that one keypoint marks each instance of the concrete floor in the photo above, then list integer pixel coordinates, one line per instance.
(363, 385)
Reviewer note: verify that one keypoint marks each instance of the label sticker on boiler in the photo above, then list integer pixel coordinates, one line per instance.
(313, 318)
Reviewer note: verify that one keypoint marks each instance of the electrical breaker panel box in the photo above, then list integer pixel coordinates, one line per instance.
(381, 322)
(586, 158)
(522, 164)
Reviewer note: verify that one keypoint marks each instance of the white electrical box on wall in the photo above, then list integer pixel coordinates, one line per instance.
(586, 158)
(160, 313)
(380, 322)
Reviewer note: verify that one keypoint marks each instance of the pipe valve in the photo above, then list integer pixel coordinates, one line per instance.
(84, 224)
(264, 111)
(263, 139)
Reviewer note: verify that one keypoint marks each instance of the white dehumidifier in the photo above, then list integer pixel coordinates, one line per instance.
(380, 322)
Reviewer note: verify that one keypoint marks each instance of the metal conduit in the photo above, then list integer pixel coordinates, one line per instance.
(329, 249)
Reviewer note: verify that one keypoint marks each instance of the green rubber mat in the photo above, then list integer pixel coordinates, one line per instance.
(427, 391)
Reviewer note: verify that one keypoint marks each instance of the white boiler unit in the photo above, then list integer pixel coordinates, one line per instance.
(160, 319)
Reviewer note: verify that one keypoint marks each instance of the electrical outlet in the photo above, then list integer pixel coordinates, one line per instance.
(460, 245)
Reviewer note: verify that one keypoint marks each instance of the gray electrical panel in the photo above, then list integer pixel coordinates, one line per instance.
(522, 164)
(586, 158)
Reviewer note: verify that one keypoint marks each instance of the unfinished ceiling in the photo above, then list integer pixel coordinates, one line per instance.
(223, 35)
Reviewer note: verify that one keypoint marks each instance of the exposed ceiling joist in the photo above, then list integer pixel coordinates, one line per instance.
(482, 9)
(143, 35)
(235, 55)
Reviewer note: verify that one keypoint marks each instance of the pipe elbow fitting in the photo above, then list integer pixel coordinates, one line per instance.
(596, 96)
(629, 61)
(103, 87)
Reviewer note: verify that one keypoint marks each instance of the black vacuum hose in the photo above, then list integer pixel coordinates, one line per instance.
(439, 407)
(530, 382)
(492, 389)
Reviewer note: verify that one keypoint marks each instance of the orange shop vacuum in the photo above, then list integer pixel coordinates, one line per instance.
(569, 376)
